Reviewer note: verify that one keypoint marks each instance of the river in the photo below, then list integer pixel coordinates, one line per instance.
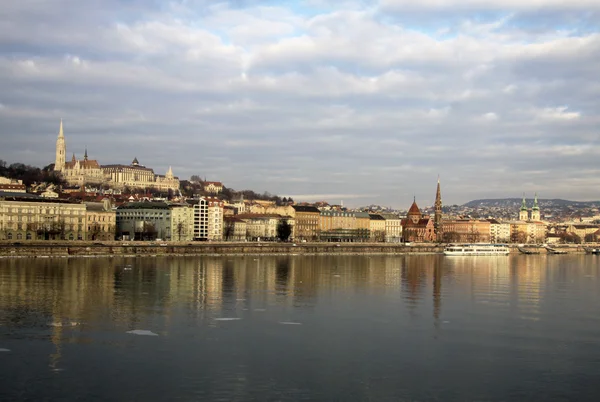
(293, 328)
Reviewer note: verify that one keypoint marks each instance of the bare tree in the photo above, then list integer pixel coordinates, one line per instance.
(95, 230)
(450, 237)
(473, 235)
(228, 230)
(180, 229)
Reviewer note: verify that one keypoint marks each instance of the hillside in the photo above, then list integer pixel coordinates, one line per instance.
(516, 202)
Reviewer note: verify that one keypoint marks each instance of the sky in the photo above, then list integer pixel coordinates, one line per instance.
(365, 102)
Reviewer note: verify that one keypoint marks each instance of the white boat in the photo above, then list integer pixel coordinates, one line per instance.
(476, 249)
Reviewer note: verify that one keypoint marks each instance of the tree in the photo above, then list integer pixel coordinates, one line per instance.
(473, 235)
(228, 230)
(95, 230)
(590, 238)
(180, 229)
(148, 232)
(568, 237)
(284, 230)
(518, 237)
(379, 236)
(450, 237)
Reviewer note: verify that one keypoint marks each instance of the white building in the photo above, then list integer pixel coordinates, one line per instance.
(215, 219)
(499, 232)
(200, 222)
(393, 228)
(182, 222)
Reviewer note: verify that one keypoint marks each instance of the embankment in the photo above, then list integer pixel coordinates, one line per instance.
(91, 249)
(87, 249)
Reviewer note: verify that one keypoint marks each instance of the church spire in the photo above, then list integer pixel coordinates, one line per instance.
(437, 218)
(535, 211)
(523, 213)
(61, 150)
(85, 157)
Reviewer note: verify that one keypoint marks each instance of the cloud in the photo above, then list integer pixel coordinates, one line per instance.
(492, 4)
(364, 100)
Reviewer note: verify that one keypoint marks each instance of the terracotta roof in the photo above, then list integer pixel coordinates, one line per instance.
(414, 209)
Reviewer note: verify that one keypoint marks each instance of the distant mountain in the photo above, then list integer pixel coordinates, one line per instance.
(516, 202)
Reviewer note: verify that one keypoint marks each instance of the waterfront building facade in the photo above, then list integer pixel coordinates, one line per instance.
(144, 221)
(215, 219)
(584, 231)
(466, 231)
(376, 228)
(200, 222)
(393, 228)
(499, 231)
(261, 226)
(416, 227)
(101, 220)
(35, 218)
(234, 229)
(182, 222)
(307, 222)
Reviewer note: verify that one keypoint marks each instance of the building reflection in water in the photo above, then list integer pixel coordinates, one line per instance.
(98, 294)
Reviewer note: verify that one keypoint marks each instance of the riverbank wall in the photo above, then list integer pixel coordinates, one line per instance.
(86, 249)
(91, 249)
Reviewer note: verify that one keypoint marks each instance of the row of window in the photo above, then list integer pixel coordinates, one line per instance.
(29, 236)
(44, 211)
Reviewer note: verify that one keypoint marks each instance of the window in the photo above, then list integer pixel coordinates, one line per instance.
(28, 236)
(19, 236)
(9, 236)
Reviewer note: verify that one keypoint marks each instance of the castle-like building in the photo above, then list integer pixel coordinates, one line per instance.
(89, 171)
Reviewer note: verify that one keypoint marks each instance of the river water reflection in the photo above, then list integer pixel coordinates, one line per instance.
(331, 328)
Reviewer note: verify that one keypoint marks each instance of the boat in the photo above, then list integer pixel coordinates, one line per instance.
(528, 252)
(555, 251)
(592, 250)
(476, 249)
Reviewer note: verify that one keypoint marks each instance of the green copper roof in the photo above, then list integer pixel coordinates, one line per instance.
(535, 203)
(523, 205)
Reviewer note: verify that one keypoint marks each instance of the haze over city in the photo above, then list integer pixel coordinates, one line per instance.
(365, 102)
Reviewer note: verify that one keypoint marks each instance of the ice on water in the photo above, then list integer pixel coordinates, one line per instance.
(4, 350)
(142, 332)
(290, 323)
(63, 324)
(227, 319)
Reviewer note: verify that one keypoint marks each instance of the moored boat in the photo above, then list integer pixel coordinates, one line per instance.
(476, 249)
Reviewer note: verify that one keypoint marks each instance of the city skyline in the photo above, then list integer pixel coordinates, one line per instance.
(365, 102)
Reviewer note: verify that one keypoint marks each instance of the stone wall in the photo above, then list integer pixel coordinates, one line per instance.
(79, 248)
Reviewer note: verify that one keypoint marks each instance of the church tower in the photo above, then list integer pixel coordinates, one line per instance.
(437, 217)
(414, 213)
(523, 214)
(169, 174)
(61, 150)
(535, 211)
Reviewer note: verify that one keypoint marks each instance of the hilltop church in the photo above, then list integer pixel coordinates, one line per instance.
(89, 171)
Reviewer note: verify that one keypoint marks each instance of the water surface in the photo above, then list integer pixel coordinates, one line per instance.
(330, 328)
